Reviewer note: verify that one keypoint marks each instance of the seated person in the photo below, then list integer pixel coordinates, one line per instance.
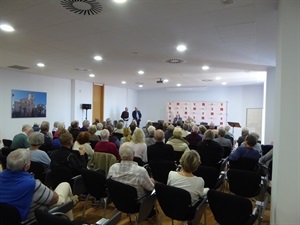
(20, 140)
(210, 151)
(92, 131)
(106, 146)
(138, 145)
(56, 142)
(246, 151)
(189, 161)
(221, 139)
(150, 138)
(85, 125)
(19, 188)
(82, 143)
(112, 138)
(194, 138)
(48, 137)
(66, 157)
(177, 118)
(119, 127)
(177, 141)
(128, 172)
(126, 135)
(185, 130)
(160, 151)
(244, 133)
(36, 139)
(257, 146)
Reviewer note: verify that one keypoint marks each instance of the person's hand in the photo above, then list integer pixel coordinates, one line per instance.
(81, 150)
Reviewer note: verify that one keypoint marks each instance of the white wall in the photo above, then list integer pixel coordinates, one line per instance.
(115, 101)
(152, 104)
(58, 99)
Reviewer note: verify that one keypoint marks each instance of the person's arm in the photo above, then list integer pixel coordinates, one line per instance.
(54, 199)
(235, 155)
(267, 157)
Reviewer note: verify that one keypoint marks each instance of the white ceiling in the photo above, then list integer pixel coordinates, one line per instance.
(237, 40)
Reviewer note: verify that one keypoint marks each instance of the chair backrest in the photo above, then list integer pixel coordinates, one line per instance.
(210, 175)
(9, 215)
(5, 150)
(244, 183)
(227, 151)
(95, 183)
(245, 163)
(174, 202)
(160, 170)
(139, 161)
(118, 135)
(60, 174)
(123, 196)
(45, 218)
(101, 160)
(266, 148)
(7, 142)
(3, 161)
(38, 171)
(230, 209)
(177, 156)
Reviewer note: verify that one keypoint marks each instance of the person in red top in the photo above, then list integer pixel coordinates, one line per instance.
(105, 146)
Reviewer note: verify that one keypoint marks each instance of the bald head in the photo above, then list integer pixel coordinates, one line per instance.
(159, 135)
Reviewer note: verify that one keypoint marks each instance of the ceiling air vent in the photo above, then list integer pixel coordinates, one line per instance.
(174, 61)
(83, 7)
(17, 67)
(206, 80)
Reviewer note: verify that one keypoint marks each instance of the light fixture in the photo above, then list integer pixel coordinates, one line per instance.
(40, 64)
(6, 27)
(205, 67)
(178, 85)
(218, 78)
(141, 72)
(98, 57)
(120, 1)
(92, 75)
(123, 82)
(140, 85)
(166, 80)
(181, 48)
(224, 83)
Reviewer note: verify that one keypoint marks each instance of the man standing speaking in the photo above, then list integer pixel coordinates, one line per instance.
(137, 115)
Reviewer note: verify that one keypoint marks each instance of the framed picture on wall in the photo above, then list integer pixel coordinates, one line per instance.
(27, 104)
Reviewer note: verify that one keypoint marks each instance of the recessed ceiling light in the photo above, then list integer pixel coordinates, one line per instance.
(205, 67)
(166, 80)
(140, 85)
(92, 75)
(6, 27)
(120, 1)
(141, 72)
(224, 83)
(40, 64)
(218, 78)
(178, 85)
(181, 48)
(98, 57)
(123, 82)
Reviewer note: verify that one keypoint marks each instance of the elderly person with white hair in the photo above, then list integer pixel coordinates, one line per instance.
(36, 139)
(138, 144)
(130, 173)
(178, 142)
(105, 145)
(150, 138)
(194, 138)
(20, 140)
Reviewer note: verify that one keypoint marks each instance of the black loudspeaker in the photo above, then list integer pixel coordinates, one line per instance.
(86, 106)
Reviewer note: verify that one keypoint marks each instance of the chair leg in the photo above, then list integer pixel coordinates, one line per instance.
(104, 202)
(82, 216)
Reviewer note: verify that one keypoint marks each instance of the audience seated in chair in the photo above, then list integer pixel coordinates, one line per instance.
(247, 151)
(178, 142)
(85, 125)
(225, 142)
(169, 132)
(194, 138)
(160, 151)
(149, 140)
(92, 130)
(64, 157)
(128, 171)
(20, 140)
(102, 161)
(111, 137)
(210, 151)
(48, 137)
(257, 146)
(185, 179)
(138, 144)
(74, 129)
(19, 189)
(244, 133)
(106, 146)
(126, 135)
(82, 144)
(36, 139)
(56, 142)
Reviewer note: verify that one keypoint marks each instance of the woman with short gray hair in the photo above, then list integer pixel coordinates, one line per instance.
(36, 139)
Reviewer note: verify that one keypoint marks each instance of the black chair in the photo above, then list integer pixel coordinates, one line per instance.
(125, 200)
(177, 156)
(227, 151)
(212, 177)
(176, 204)
(230, 209)
(3, 161)
(95, 183)
(9, 215)
(249, 184)
(7, 142)
(118, 135)
(60, 174)
(245, 163)
(139, 161)
(5, 150)
(38, 171)
(160, 170)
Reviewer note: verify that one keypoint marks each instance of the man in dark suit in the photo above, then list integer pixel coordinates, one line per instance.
(160, 151)
(125, 116)
(137, 115)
